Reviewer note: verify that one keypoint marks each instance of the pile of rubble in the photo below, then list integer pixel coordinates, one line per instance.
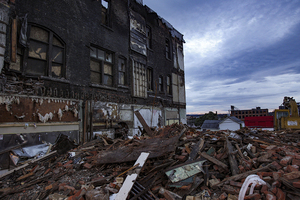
(176, 162)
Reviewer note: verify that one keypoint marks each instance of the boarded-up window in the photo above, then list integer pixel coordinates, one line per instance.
(139, 80)
(101, 66)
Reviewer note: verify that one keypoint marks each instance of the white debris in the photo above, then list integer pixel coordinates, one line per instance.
(251, 179)
(59, 113)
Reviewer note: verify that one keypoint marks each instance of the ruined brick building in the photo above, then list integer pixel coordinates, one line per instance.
(81, 67)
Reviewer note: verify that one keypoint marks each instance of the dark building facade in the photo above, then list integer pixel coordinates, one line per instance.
(255, 112)
(81, 67)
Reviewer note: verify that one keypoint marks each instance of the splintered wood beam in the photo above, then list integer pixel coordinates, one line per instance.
(232, 160)
(213, 160)
(197, 148)
(143, 122)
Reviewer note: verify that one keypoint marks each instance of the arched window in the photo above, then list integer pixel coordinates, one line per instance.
(44, 54)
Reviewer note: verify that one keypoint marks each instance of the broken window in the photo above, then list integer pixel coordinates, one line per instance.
(160, 83)
(168, 52)
(101, 66)
(169, 91)
(105, 12)
(44, 56)
(149, 37)
(139, 80)
(150, 79)
(122, 71)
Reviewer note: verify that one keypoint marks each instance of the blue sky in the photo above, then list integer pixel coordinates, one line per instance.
(241, 53)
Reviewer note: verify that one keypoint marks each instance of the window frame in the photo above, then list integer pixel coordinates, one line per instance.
(150, 79)
(149, 36)
(25, 58)
(124, 72)
(161, 84)
(102, 63)
(107, 13)
(168, 49)
(169, 85)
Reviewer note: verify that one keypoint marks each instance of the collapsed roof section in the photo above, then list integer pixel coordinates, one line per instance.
(172, 30)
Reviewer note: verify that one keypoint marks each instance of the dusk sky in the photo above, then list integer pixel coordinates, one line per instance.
(237, 52)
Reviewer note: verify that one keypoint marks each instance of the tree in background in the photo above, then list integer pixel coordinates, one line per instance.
(207, 116)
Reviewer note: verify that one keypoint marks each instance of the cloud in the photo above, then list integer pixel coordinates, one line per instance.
(244, 53)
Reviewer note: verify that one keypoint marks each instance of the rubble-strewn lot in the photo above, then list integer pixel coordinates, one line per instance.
(182, 164)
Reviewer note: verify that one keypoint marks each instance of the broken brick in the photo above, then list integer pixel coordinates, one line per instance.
(223, 196)
(254, 196)
(270, 196)
(292, 175)
(236, 184)
(296, 184)
(290, 168)
(280, 194)
(87, 165)
(286, 160)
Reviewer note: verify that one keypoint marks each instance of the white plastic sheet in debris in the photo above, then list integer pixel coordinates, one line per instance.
(32, 151)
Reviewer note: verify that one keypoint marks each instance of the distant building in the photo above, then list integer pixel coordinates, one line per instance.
(255, 112)
(229, 123)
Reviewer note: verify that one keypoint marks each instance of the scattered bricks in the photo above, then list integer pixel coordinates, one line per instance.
(268, 179)
(49, 187)
(232, 197)
(69, 166)
(241, 168)
(290, 168)
(296, 162)
(56, 196)
(67, 187)
(213, 182)
(47, 171)
(264, 189)
(262, 174)
(59, 164)
(296, 184)
(236, 184)
(69, 162)
(270, 196)
(87, 165)
(34, 169)
(223, 196)
(95, 194)
(263, 146)
(276, 184)
(292, 175)
(297, 156)
(231, 190)
(280, 194)
(80, 193)
(286, 160)
(61, 186)
(216, 168)
(273, 189)
(271, 147)
(181, 158)
(276, 175)
(276, 165)
(254, 196)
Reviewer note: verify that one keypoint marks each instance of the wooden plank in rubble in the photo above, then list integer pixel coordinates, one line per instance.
(155, 146)
(143, 122)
